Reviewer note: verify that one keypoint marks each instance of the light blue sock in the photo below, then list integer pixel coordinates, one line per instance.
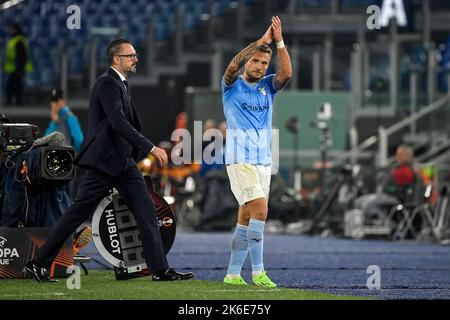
(255, 244)
(239, 250)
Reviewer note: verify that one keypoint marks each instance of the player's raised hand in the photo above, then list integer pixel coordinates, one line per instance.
(276, 28)
(267, 37)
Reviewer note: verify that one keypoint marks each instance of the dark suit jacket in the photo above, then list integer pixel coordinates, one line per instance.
(113, 134)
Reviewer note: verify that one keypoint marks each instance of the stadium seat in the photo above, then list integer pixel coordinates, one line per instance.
(133, 19)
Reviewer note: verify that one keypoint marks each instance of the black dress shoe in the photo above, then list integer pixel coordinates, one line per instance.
(39, 273)
(165, 276)
(183, 276)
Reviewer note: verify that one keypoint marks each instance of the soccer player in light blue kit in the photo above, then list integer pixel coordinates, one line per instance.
(247, 102)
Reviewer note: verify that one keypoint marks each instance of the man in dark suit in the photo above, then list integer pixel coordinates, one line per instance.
(109, 154)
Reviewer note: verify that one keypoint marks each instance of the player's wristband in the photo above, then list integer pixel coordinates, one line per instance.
(280, 44)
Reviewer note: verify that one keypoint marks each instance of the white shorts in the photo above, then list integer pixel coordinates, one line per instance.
(249, 182)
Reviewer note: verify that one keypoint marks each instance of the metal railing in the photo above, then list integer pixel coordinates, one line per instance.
(384, 133)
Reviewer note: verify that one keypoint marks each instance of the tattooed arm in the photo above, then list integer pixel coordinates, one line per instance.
(243, 56)
(283, 76)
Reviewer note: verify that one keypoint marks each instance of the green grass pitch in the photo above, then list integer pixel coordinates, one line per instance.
(102, 285)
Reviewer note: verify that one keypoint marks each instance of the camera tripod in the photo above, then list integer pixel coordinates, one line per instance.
(347, 177)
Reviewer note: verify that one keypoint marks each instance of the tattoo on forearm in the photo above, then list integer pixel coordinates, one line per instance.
(239, 60)
(242, 57)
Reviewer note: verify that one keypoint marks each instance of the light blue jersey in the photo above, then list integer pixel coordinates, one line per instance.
(248, 112)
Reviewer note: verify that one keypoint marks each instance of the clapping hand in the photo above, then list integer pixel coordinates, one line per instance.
(267, 37)
(276, 29)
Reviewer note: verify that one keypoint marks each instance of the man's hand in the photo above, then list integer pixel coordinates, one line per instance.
(276, 28)
(283, 76)
(267, 37)
(161, 155)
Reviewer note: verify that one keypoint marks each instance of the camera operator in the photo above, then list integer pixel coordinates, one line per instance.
(63, 120)
(397, 187)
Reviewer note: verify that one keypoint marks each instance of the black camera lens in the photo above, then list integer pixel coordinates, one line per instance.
(58, 163)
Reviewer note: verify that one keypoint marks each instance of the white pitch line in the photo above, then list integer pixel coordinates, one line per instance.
(33, 294)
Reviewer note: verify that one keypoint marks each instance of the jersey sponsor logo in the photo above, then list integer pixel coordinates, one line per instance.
(245, 106)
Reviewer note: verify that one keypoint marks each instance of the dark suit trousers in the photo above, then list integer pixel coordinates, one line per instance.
(93, 188)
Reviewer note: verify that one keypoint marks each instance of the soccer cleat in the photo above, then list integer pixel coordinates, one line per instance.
(81, 239)
(262, 280)
(238, 281)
